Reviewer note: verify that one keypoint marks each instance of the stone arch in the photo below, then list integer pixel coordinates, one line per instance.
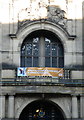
(41, 103)
(22, 105)
(29, 28)
(42, 25)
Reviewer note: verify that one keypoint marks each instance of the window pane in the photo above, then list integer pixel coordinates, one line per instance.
(61, 62)
(54, 50)
(47, 41)
(54, 62)
(60, 50)
(28, 61)
(47, 62)
(23, 50)
(35, 62)
(35, 50)
(29, 49)
(35, 40)
(47, 49)
(22, 61)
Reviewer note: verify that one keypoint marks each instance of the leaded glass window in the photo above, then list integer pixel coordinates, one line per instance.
(44, 47)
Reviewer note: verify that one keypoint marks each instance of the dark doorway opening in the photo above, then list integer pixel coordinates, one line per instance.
(42, 110)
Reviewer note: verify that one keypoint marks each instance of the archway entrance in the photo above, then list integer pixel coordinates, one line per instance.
(42, 110)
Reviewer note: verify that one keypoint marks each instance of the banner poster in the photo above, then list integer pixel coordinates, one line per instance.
(40, 71)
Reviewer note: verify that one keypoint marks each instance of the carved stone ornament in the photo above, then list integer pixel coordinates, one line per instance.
(52, 13)
(56, 15)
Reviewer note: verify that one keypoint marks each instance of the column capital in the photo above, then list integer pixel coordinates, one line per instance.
(74, 95)
(3, 94)
(11, 94)
(82, 95)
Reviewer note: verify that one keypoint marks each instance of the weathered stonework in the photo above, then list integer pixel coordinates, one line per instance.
(65, 20)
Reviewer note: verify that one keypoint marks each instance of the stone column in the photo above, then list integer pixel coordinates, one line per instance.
(2, 106)
(11, 106)
(74, 107)
(82, 106)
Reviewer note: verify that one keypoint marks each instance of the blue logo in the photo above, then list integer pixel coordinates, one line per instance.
(21, 71)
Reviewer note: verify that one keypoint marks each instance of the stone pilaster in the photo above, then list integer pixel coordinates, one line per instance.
(74, 107)
(82, 106)
(11, 106)
(2, 106)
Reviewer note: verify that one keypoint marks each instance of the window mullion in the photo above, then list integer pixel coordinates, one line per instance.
(25, 61)
(25, 54)
(26, 49)
(32, 54)
(50, 55)
(42, 52)
(57, 57)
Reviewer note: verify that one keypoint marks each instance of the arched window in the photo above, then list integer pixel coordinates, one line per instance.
(42, 49)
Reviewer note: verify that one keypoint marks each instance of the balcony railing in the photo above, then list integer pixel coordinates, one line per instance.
(43, 80)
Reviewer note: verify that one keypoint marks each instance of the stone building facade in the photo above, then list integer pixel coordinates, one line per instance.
(42, 34)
